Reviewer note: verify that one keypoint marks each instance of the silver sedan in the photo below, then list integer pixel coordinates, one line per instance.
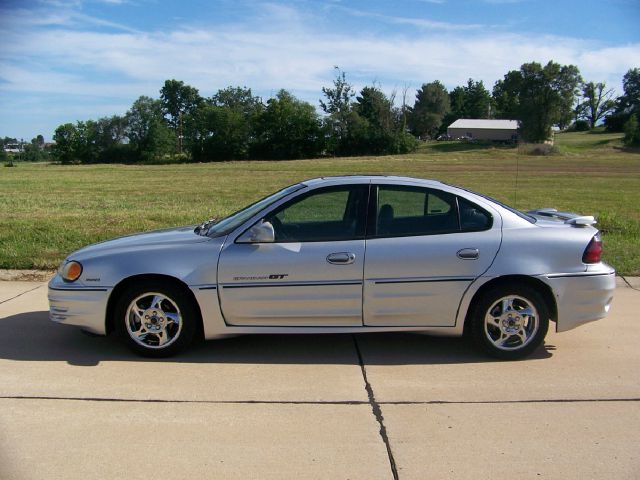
(345, 254)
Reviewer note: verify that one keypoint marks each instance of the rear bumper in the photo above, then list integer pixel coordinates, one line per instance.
(582, 298)
(82, 307)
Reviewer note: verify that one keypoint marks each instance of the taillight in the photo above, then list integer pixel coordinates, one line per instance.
(593, 253)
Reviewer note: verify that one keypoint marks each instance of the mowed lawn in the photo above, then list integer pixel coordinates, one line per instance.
(47, 211)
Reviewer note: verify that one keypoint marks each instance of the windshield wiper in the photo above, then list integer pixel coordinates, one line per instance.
(203, 228)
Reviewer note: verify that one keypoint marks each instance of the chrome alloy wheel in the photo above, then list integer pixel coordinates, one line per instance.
(153, 320)
(511, 322)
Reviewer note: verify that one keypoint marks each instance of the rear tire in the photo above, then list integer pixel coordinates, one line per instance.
(509, 322)
(156, 319)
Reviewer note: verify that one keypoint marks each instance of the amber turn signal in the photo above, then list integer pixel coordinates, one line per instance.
(71, 271)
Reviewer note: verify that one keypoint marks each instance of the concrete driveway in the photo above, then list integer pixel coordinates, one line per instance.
(325, 406)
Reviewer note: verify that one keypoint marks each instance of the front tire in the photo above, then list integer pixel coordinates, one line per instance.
(156, 319)
(509, 322)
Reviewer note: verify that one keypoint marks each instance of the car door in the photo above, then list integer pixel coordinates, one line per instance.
(311, 274)
(424, 247)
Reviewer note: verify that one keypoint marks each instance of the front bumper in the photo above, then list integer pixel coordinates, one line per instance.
(80, 306)
(582, 298)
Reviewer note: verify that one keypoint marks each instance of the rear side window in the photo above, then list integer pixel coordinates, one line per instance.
(406, 211)
(472, 217)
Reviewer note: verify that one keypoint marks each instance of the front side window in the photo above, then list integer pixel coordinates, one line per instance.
(328, 214)
(405, 211)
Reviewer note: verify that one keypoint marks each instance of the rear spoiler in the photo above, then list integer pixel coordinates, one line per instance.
(574, 219)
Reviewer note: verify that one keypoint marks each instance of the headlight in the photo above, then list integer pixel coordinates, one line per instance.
(70, 271)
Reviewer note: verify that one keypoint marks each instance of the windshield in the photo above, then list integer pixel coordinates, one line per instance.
(233, 221)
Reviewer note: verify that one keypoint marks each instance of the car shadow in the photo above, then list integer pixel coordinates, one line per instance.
(33, 337)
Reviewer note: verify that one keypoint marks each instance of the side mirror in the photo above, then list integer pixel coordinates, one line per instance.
(262, 232)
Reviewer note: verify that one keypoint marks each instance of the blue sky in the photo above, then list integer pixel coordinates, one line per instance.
(68, 60)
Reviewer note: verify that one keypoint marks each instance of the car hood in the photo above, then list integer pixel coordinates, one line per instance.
(166, 237)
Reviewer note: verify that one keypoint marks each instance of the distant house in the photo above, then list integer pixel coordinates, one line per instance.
(479, 129)
(13, 148)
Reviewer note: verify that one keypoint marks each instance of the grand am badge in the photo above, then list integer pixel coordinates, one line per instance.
(273, 276)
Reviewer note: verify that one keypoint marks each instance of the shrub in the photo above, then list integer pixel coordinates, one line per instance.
(538, 149)
(632, 132)
(581, 126)
(616, 121)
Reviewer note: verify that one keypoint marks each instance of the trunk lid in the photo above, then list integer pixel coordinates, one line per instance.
(552, 217)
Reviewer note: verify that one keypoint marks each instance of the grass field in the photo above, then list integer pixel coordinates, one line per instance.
(47, 211)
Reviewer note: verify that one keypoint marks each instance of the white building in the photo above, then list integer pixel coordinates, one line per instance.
(13, 148)
(481, 129)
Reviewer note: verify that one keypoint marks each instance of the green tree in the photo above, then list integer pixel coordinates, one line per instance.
(477, 100)
(374, 106)
(431, 106)
(632, 132)
(338, 107)
(84, 144)
(371, 129)
(219, 133)
(377, 128)
(108, 139)
(32, 152)
(457, 102)
(628, 103)
(597, 103)
(506, 95)
(288, 128)
(222, 128)
(178, 99)
(149, 136)
(240, 99)
(65, 140)
(470, 101)
(539, 97)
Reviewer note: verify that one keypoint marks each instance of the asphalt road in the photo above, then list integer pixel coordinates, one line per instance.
(322, 406)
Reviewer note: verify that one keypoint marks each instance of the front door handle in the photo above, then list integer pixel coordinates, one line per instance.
(468, 253)
(341, 258)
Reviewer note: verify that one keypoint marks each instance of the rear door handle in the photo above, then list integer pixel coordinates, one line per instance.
(468, 253)
(341, 258)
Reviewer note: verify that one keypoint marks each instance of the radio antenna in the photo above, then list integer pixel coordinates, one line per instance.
(515, 194)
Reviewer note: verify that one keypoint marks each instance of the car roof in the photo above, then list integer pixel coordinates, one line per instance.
(346, 179)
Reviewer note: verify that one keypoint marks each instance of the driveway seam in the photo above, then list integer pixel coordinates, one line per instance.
(628, 284)
(377, 411)
(319, 402)
(504, 402)
(20, 294)
(212, 402)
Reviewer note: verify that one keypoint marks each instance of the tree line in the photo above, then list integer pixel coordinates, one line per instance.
(235, 124)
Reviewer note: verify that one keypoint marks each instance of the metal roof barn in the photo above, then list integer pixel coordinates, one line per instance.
(481, 129)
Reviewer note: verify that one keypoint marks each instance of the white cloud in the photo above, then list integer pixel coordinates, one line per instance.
(275, 58)
(423, 23)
